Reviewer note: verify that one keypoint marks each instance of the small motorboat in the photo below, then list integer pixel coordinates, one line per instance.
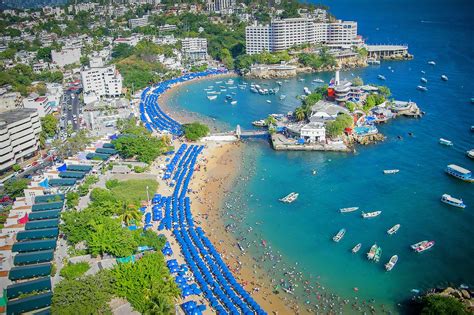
(349, 209)
(393, 229)
(470, 154)
(356, 248)
(369, 215)
(381, 77)
(432, 63)
(318, 80)
(212, 97)
(423, 80)
(422, 88)
(269, 102)
(394, 171)
(339, 235)
(259, 123)
(282, 97)
(445, 142)
(391, 263)
(424, 246)
(444, 78)
(372, 251)
(233, 102)
(455, 202)
(289, 198)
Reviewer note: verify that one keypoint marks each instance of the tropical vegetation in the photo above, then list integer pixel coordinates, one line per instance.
(434, 304)
(336, 127)
(195, 131)
(74, 271)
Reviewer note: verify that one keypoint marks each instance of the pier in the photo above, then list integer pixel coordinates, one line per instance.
(388, 51)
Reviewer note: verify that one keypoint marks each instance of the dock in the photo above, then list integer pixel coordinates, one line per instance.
(282, 143)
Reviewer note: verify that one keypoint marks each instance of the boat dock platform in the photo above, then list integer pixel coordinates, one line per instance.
(282, 143)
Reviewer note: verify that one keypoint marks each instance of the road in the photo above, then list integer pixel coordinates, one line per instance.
(72, 106)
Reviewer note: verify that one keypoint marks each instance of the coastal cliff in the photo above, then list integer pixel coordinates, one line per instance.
(444, 301)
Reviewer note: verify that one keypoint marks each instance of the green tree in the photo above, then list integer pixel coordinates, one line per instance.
(226, 58)
(384, 90)
(44, 53)
(434, 304)
(130, 215)
(351, 106)
(74, 271)
(121, 51)
(108, 237)
(14, 187)
(357, 81)
(49, 125)
(195, 131)
(87, 295)
(336, 127)
(270, 121)
(299, 113)
(16, 167)
(72, 200)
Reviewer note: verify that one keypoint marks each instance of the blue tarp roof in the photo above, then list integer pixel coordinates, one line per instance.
(30, 303)
(38, 285)
(47, 206)
(40, 256)
(37, 234)
(41, 224)
(62, 168)
(29, 271)
(49, 198)
(71, 174)
(31, 246)
(44, 215)
(56, 182)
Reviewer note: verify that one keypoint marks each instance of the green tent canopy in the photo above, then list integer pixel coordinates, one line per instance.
(29, 271)
(29, 304)
(37, 285)
(31, 246)
(41, 224)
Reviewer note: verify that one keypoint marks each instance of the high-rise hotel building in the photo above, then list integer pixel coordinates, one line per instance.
(285, 33)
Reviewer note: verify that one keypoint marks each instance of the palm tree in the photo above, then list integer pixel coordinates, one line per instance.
(158, 305)
(130, 214)
(299, 113)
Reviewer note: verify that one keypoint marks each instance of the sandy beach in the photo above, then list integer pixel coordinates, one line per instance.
(220, 165)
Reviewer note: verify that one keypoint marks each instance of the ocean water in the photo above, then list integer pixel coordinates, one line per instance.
(301, 232)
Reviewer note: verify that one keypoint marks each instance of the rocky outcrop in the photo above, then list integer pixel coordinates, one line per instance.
(462, 295)
(369, 139)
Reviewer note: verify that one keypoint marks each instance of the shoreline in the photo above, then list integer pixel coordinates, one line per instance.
(219, 170)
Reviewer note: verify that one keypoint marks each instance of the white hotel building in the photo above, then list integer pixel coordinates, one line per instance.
(285, 33)
(194, 48)
(19, 136)
(102, 81)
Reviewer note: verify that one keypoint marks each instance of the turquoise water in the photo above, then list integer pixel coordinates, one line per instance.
(302, 231)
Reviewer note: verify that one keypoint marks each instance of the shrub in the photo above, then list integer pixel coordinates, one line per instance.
(74, 271)
(195, 131)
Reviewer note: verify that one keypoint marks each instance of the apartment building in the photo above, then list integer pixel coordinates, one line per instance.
(286, 33)
(66, 56)
(19, 136)
(220, 6)
(138, 22)
(105, 81)
(194, 48)
(9, 100)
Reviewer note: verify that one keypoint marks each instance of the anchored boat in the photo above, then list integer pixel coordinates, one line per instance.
(381, 77)
(212, 97)
(350, 209)
(259, 123)
(448, 199)
(391, 171)
(422, 88)
(445, 142)
(470, 153)
(371, 214)
(444, 78)
(432, 63)
(378, 254)
(391, 263)
(372, 251)
(356, 248)
(422, 246)
(423, 80)
(289, 198)
(393, 229)
(339, 235)
(459, 172)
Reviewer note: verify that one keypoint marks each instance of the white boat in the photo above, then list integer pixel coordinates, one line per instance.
(268, 101)
(416, 245)
(318, 80)
(391, 263)
(218, 82)
(394, 171)
(212, 97)
(393, 229)
(423, 72)
(231, 87)
(289, 198)
(259, 123)
(423, 80)
(301, 80)
(444, 78)
(424, 246)
(381, 77)
(233, 102)
(432, 63)
(230, 82)
(279, 83)
(373, 61)
(306, 91)
(422, 88)
(445, 142)
(356, 248)
(371, 214)
(448, 199)
(339, 235)
(349, 209)
(282, 97)
(470, 153)
(223, 90)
